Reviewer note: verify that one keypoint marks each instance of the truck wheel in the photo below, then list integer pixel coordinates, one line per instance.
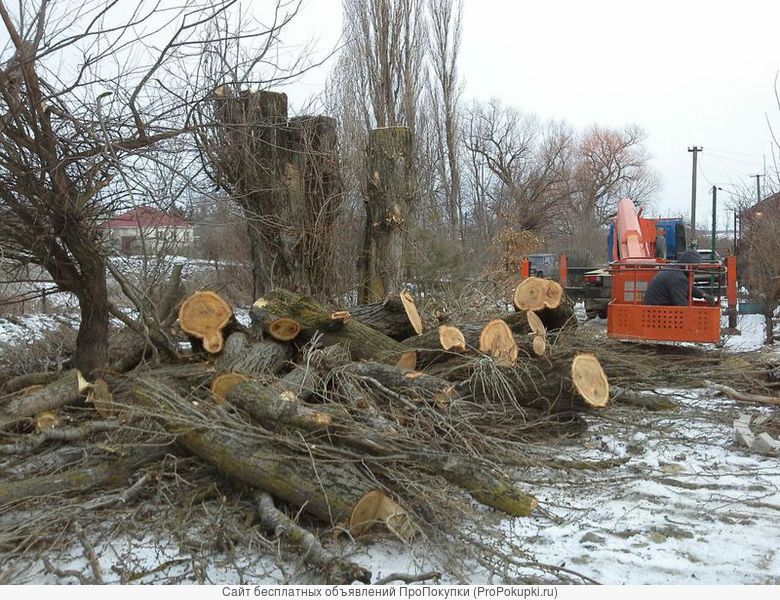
(603, 314)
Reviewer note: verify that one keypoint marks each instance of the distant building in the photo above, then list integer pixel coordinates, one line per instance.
(147, 229)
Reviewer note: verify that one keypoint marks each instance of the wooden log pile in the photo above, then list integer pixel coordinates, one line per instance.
(340, 413)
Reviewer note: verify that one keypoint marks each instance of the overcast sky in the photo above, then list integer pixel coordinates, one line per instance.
(687, 71)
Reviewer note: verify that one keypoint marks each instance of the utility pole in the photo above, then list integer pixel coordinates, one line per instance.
(758, 187)
(695, 150)
(714, 218)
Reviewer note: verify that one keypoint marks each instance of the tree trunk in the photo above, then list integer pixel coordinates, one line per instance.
(92, 338)
(388, 206)
(315, 189)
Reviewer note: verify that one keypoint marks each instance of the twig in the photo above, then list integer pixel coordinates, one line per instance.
(407, 578)
(89, 552)
(741, 396)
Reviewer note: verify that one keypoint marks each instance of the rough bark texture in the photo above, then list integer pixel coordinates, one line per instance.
(108, 473)
(241, 356)
(387, 211)
(363, 342)
(62, 391)
(326, 491)
(337, 570)
(388, 316)
(16, 384)
(285, 175)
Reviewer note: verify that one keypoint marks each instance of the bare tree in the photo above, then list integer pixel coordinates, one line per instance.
(609, 165)
(526, 162)
(88, 92)
(445, 25)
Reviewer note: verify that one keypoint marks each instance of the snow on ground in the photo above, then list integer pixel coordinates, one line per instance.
(688, 505)
(15, 330)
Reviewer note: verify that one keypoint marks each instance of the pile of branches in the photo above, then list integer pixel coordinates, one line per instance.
(357, 422)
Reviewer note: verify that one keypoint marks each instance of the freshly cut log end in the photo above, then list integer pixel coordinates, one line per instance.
(535, 323)
(284, 329)
(376, 508)
(451, 338)
(496, 339)
(224, 383)
(590, 380)
(407, 360)
(411, 311)
(539, 345)
(102, 399)
(203, 315)
(535, 293)
(46, 420)
(554, 294)
(341, 316)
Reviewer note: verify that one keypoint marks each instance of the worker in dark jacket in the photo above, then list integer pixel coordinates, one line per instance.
(670, 286)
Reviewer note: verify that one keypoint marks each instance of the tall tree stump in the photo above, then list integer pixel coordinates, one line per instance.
(388, 203)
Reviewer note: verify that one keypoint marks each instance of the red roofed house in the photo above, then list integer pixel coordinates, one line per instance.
(147, 229)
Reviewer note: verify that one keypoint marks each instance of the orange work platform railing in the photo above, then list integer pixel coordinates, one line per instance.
(629, 318)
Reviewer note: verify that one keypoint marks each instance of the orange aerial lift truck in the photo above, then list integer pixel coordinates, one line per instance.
(632, 267)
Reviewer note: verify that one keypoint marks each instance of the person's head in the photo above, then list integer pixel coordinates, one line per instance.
(660, 231)
(689, 257)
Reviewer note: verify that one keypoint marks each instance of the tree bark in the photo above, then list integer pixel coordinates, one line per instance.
(388, 316)
(260, 358)
(92, 294)
(388, 206)
(323, 489)
(362, 342)
(107, 473)
(316, 192)
(58, 393)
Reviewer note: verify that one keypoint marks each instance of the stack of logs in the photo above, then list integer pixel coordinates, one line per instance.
(353, 386)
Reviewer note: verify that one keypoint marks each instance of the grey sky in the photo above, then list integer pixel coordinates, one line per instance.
(687, 71)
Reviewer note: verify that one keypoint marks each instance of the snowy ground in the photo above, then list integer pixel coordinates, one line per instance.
(649, 498)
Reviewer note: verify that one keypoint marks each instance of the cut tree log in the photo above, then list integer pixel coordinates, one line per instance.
(240, 355)
(64, 390)
(451, 338)
(535, 323)
(362, 341)
(484, 483)
(540, 345)
(204, 315)
(283, 329)
(223, 383)
(590, 380)
(102, 399)
(323, 489)
(107, 473)
(413, 385)
(48, 419)
(276, 404)
(377, 508)
(535, 293)
(396, 316)
(496, 339)
(21, 382)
